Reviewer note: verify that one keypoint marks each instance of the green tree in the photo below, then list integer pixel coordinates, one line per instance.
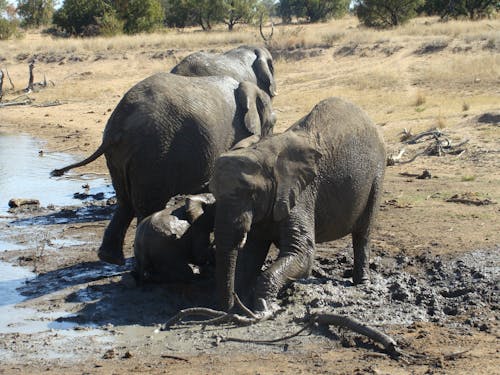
(238, 11)
(386, 13)
(207, 12)
(473, 9)
(312, 10)
(35, 13)
(8, 22)
(81, 17)
(143, 16)
(178, 13)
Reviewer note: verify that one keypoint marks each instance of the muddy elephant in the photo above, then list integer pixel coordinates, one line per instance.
(162, 140)
(168, 241)
(245, 63)
(318, 181)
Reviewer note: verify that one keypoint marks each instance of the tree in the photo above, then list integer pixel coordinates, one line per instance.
(81, 17)
(35, 13)
(178, 13)
(473, 9)
(8, 22)
(143, 16)
(312, 10)
(207, 12)
(386, 13)
(238, 11)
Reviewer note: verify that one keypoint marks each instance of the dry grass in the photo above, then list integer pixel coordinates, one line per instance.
(396, 86)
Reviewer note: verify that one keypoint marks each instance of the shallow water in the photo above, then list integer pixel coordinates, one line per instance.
(26, 174)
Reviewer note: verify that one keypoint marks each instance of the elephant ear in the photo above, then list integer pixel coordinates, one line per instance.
(196, 206)
(247, 99)
(296, 167)
(264, 71)
(246, 142)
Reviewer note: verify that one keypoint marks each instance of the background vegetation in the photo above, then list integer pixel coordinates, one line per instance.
(111, 17)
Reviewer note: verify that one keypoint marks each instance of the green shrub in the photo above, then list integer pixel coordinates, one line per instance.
(7, 28)
(386, 13)
(80, 17)
(109, 24)
(143, 16)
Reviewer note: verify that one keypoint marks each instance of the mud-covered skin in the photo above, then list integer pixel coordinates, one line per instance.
(163, 138)
(167, 241)
(245, 63)
(318, 181)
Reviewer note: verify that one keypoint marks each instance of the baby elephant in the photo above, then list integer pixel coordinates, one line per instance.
(168, 241)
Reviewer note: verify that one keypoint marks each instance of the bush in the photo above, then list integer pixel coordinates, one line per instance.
(7, 28)
(80, 17)
(143, 16)
(386, 13)
(109, 24)
(35, 13)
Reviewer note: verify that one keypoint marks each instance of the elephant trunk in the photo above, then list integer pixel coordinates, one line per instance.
(228, 244)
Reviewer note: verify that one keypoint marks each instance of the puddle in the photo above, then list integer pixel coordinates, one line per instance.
(30, 178)
(27, 320)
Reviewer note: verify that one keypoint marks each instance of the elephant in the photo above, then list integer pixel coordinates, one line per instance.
(245, 63)
(318, 181)
(162, 140)
(168, 241)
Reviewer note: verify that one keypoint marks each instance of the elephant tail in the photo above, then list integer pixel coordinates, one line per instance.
(59, 172)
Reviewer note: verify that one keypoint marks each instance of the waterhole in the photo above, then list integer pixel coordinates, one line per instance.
(25, 173)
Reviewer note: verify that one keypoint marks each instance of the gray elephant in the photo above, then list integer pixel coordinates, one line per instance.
(245, 63)
(163, 137)
(318, 181)
(168, 241)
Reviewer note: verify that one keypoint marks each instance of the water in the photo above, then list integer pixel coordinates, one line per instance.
(26, 174)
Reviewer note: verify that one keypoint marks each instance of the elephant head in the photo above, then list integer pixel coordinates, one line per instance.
(255, 184)
(264, 71)
(259, 117)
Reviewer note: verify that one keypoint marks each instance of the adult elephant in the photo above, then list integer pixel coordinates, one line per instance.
(318, 181)
(163, 137)
(245, 63)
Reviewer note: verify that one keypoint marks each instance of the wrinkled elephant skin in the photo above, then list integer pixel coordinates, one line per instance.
(318, 181)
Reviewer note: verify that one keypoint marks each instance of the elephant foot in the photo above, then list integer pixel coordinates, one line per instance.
(112, 257)
(361, 279)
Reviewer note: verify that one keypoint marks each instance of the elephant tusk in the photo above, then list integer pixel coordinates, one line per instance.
(243, 241)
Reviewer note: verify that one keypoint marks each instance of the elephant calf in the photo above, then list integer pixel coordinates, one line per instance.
(318, 181)
(167, 241)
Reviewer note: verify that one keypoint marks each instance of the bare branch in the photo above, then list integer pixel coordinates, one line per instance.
(10, 80)
(269, 38)
(356, 326)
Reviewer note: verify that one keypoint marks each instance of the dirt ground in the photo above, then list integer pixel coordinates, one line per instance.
(435, 257)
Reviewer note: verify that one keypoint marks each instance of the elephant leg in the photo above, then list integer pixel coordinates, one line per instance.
(249, 266)
(294, 262)
(361, 239)
(111, 249)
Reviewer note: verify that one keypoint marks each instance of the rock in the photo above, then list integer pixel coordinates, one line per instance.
(18, 202)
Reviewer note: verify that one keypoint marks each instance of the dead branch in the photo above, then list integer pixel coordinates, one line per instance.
(174, 357)
(269, 38)
(310, 324)
(355, 325)
(436, 133)
(31, 78)
(10, 80)
(392, 160)
(49, 104)
(10, 104)
(1, 85)
(453, 356)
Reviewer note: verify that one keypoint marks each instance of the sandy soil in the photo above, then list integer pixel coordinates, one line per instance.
(435, 263)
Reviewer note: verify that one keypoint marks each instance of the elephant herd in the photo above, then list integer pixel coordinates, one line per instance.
(207, 126)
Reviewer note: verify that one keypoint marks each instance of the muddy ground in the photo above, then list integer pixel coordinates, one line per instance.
(435, 269)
